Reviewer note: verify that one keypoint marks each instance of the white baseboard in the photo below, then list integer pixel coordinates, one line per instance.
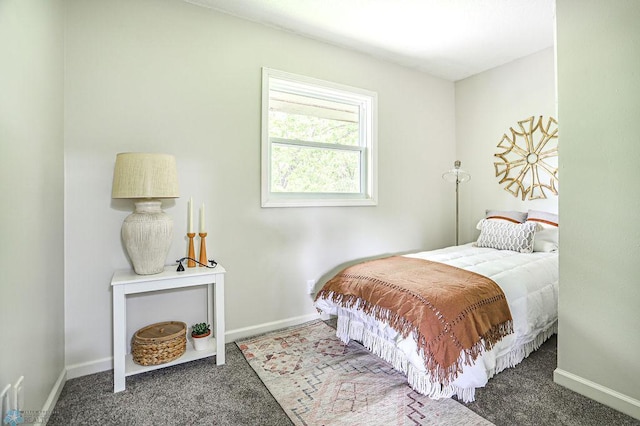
(602, 394)
(241, 333)
(90, 367)
(50, 403)
(100, 365)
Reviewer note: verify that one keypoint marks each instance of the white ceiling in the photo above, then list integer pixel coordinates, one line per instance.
(452, 39)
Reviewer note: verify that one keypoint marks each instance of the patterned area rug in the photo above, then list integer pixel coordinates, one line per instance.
(319, 381)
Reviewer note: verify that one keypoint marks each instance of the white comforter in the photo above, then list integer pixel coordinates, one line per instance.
(530, 283)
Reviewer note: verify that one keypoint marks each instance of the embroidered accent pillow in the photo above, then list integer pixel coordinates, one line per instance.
(511, 216)
(503, 235)
(546, 239)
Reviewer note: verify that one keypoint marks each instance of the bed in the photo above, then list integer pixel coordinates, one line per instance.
(440, 360)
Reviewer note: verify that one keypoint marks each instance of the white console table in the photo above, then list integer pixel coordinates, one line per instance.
(126, 282)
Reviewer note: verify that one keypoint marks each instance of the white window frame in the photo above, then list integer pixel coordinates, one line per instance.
(368, 103)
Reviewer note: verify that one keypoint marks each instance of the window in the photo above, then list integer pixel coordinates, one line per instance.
(318, 142)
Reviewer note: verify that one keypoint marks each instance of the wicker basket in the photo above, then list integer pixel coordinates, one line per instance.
(159, 343)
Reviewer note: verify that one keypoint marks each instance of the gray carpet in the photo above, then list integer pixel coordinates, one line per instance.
(193, 393)
(199, 393)
(527, 395)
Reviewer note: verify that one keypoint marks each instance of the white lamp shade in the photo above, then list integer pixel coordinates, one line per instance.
(456, 175)
(145, 175)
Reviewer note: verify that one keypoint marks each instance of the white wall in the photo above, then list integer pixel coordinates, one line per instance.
(487, 105)
(31, 184)
(599, 106)
(168, 76)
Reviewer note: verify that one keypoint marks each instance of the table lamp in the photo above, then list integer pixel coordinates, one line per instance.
(147, 232)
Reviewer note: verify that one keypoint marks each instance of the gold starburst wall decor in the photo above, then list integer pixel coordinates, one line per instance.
(528, 163)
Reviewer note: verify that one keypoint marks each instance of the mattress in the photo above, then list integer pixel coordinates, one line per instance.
(530, 284)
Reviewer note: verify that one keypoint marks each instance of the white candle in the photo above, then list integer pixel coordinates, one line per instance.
(202, 228)
(190, 217)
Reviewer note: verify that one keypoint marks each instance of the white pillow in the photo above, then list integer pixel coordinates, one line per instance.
(504, 235)
(546, 238)
(510, 215)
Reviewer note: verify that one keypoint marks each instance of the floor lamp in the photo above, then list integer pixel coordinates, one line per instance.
(457, 176)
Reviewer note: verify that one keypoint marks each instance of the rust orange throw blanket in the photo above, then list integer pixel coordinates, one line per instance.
(451, 311)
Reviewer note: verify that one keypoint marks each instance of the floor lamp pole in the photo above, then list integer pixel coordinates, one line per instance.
(457, 210)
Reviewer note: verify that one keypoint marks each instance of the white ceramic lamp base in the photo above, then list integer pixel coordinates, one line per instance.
(147, 234)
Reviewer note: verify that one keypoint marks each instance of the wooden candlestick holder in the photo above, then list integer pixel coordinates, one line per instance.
(192, 253)
(203, 249)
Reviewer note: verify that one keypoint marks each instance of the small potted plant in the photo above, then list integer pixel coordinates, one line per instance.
(200, 333)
